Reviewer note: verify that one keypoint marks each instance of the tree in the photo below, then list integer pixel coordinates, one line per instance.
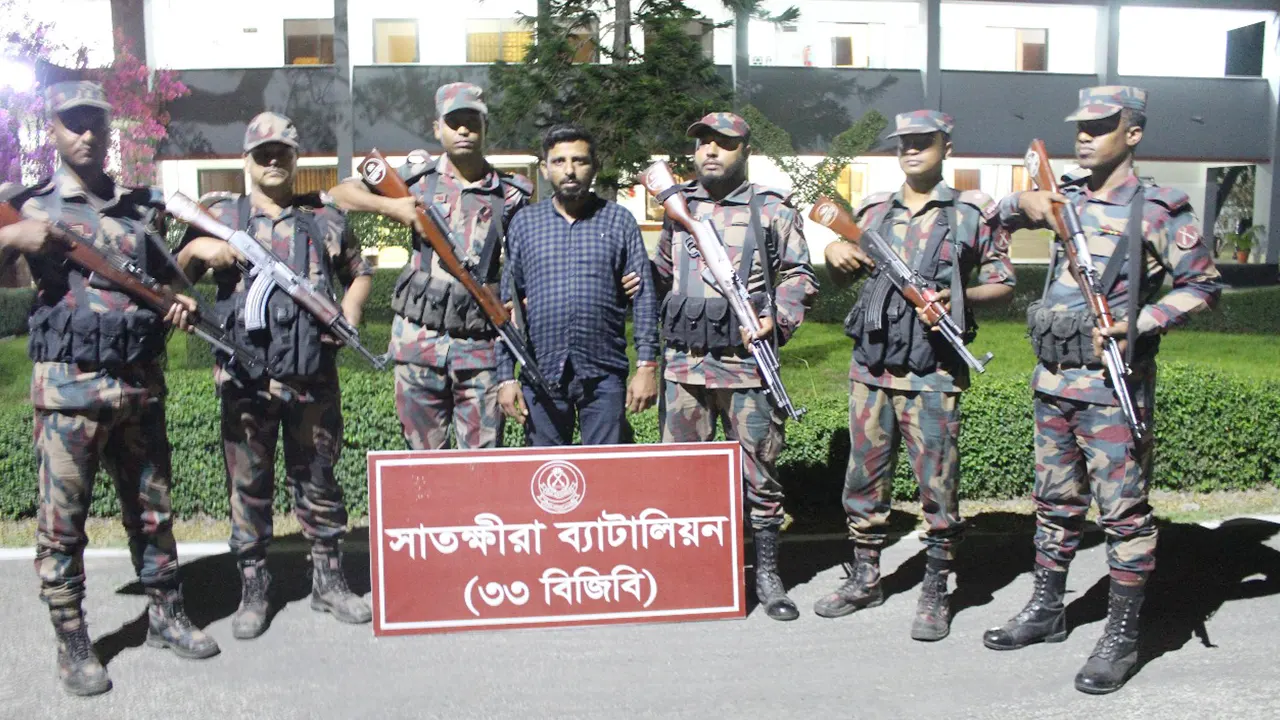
(136, 93)
(809, 181)
(637, 105)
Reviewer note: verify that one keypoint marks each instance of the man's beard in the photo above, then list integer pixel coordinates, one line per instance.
(733, 174)
(572, 194)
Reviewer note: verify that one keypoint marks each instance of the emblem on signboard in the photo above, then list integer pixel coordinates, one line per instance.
(558, 487)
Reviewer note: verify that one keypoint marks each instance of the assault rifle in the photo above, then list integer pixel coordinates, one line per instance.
(379, 176)
(1080, 264)
(661, 184)
(908, 282)
(125, 274)
(269, 273)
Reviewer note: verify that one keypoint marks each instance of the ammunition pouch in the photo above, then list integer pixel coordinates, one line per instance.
(888, 334)
(702, 324)
(1065, 338)
(90, 339)
(290, 343)
(439, 304)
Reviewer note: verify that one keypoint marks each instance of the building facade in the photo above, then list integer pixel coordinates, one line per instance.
(359, 75)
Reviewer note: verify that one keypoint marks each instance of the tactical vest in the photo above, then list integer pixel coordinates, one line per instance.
(886, 330)
(78, 334)
(704, 324)
(441, 304)
(290, 343)
(1065, 338)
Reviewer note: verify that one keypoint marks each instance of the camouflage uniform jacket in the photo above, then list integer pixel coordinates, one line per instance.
(121, 225)
(795, 286)
(467, 208)
(342, 259)
(1173, 246)
(986, 245)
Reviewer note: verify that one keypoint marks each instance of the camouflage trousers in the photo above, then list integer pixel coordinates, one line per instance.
(131, 444)
(690, 415)
(929, 424)
(253, 415)
(1084, 452)
(431, 400)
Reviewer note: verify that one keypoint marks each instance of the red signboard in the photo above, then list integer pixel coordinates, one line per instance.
(523, 537)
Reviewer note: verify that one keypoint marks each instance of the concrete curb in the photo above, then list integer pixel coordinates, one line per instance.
(203, 549)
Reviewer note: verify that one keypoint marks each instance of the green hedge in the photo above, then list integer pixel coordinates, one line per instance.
(1214, 432)
(15, 303)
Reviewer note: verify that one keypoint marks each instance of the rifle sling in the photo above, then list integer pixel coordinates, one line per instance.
(1136, 273)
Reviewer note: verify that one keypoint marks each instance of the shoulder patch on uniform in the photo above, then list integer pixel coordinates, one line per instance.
(1187, 237)
(516, 183)
(871, 201)
(211, 199)
(981, 201)
(1172, 198)
(417, 157)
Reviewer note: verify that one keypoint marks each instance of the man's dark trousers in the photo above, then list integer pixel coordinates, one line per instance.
(598, 403)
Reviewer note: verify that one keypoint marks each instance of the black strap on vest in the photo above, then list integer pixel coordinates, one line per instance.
(762, 247)
(948, 226)
(304, 230)
(487, 271)
(1137, 275)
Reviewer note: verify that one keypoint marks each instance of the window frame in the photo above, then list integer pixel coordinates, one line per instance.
(285, 32)
(417, 41)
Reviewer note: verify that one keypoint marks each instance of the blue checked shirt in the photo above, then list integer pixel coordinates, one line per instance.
(571, 275)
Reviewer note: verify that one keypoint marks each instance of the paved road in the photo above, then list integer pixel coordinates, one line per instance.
(1210, 649)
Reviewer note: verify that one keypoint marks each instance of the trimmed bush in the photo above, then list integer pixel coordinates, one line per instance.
(15, 304)
(1214, 432)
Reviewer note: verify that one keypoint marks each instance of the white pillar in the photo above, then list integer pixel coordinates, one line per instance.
(1106, 48)
(932, 12)
(1266, 191)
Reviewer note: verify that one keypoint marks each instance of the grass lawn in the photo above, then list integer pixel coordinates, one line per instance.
(817, 358)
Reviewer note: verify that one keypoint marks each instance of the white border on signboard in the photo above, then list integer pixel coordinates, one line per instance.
(458, 458)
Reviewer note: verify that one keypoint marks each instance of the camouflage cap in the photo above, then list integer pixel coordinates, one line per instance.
(63, 96)
(270, 127)
(919, 122)
(1107, 100)
(726, 124)
(459, 96)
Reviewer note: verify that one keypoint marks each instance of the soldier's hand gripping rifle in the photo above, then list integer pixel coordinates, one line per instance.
(913, 287)
(1080, 263)
(379, 176)
(707, 246)
(270, 273)
(122, 273)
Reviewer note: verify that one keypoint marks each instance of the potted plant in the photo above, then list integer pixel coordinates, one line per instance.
(1244, 241)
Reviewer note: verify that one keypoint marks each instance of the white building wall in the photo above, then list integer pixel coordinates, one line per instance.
(187, 35)
(75, 23)
(1179, 42)
(980, 36)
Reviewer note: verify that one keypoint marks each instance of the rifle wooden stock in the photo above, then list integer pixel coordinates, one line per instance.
(378, 174)
(1080, 265)
(122, 272)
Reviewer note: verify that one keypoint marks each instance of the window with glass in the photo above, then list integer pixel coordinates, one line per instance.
(395, 41)
(220, 180)
(308, 42)
(851, 45)
(314, 179)
(493, 40)
(968, 179)
(1031, 49)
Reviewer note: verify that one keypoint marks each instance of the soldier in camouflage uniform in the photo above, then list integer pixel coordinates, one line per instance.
(904, 380)
(98, 386)
(710, 375)
(298, 389)
(1084, 450)
(441, 341)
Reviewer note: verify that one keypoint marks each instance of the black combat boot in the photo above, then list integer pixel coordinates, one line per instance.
(169, 626)
(329, 591)
(1044, 619)
(933, 610)
(1116, 654)
(861, 590)
(78, 666)
(769, 588)
(250, 619)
